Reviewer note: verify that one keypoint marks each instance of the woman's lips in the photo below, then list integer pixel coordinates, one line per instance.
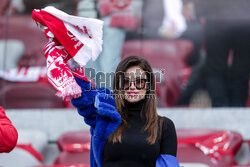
(132, 93)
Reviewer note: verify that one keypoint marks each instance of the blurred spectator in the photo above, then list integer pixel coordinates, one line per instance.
(180, 21)
(173, 23)
(17, 6)
(119, 17)
(110, 57)
(227, 27)
(4, 4)
(8, 133)
(227, 33)
(152, 16)
(165, 19)
(195, 84)
(195, 33)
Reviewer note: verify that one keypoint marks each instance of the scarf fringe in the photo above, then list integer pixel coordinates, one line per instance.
(70, 92)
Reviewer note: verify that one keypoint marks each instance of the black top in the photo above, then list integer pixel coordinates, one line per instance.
(134, 151)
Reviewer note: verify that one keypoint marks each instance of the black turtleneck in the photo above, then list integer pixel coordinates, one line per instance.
(134, 151)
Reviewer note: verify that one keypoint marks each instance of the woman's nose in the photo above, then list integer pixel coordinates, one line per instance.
(132, 85)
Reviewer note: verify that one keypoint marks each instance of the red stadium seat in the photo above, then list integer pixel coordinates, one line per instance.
(28, 151)
(184, 133)
(211, 147)
(73, 158)
(28, 95)
(166, 55)
(78, 140)
(74, 147)
(176, 48)
(23, 28)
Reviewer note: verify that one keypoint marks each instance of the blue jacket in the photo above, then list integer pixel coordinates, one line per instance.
(97, 106)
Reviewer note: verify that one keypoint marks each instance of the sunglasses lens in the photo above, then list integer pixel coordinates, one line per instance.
(140, 83)
(126, 83)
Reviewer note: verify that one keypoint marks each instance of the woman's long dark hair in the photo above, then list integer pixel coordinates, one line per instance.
(149, 109)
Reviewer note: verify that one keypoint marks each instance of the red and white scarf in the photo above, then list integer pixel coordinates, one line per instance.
(73, 41)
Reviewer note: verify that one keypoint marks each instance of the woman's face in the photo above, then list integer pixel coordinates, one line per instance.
(134, 84)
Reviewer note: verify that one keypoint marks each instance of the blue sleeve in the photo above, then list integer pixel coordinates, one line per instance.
(85, 103)
(107, 114)
(95, 104)
(165, 160)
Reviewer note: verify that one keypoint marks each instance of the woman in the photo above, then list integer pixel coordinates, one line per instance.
(141, 136)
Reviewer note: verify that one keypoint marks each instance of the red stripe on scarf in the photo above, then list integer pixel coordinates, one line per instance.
(57, 27)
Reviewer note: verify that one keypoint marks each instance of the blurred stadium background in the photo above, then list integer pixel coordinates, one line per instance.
(50, 131)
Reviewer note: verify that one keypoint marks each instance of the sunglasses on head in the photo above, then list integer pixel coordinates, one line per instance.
(139, 83)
